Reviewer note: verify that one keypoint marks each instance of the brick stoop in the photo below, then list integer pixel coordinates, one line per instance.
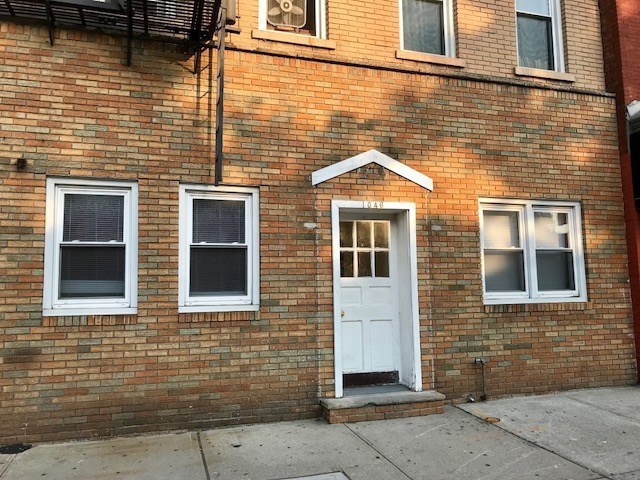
(381, 406)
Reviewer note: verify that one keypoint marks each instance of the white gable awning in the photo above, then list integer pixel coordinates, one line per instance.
(372, 156)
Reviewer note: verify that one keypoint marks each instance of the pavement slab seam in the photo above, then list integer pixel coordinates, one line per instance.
(591, 404)
(204, 460)
(627, 473)
(382, 455)
(497, 425)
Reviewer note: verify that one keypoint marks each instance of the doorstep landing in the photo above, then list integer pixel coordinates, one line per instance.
(381, 406)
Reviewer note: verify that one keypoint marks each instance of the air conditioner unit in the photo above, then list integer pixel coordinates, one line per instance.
(287, 13)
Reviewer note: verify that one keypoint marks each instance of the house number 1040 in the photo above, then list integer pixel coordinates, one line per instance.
(367, 204)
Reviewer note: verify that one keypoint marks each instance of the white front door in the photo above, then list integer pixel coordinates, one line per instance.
(369, 298)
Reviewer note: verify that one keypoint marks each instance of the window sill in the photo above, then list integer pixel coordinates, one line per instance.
(217, 308)
(430, 58)
(88, 311)
(293, 38)
(530, 301)
(546, 74)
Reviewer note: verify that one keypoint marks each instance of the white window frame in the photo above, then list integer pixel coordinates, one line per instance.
(449, 29)
(52, 305)
(230, 303)
(526, 226)
(321, 20)
(555, 13)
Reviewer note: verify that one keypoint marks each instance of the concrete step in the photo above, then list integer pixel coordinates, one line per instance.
(381, 406)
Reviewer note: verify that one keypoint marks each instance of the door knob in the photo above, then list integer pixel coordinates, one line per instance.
(342, 313)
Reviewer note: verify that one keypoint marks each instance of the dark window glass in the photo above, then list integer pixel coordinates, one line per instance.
(381, 234)
(423, 26)
(363, 234)
(346, 234)
(535, 43)
(92, 271)
(364, 264)
(504, 271)
(382, 264)
(555, 270)
(346, 264)
(218, 271)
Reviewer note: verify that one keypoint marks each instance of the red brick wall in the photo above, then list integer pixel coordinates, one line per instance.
(620, 33)
(77, 110)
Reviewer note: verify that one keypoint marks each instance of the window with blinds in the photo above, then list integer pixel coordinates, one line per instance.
(90, 247)
(531, 251)
(218, 249)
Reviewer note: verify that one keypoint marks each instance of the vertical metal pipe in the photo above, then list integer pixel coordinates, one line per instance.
(222, 33)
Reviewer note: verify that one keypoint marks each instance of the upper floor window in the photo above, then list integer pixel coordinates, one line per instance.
(218, 249)
(539, 24)
(90, 248)
(305, 17)
(531, 251)
(427, 26)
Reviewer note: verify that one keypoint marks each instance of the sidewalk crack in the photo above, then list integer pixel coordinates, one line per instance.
(584, 402)
(377, 451)
(204, 459)
(5, 467)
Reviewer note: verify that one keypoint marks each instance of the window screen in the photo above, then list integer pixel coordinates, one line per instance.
(423, 26)
(535, 34)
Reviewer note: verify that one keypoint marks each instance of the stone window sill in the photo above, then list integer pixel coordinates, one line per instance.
(293, 38)
(430, 58)
(546, 74)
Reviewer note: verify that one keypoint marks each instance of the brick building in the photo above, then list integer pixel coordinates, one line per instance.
(620, 31)
(406, 189)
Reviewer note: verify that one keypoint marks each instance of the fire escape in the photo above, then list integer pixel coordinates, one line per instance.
(195, 25)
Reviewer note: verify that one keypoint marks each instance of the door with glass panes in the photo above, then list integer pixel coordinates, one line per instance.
(368, 297)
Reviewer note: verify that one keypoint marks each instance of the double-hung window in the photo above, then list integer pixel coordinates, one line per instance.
(218, 249)
(531, 251)
(427, 26)
(90, 248)
(305, 17)
(539, 25)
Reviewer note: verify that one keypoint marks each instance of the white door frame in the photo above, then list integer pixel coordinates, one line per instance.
(378, 207)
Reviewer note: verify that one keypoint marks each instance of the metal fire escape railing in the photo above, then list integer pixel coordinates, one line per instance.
(191, 23)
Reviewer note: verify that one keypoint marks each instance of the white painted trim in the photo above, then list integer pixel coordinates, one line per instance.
(527, 237)
(415, 307)
(337, 300)
(384, 208)
(54, 218)
(249, 302)
(449, 28)
(372, 156)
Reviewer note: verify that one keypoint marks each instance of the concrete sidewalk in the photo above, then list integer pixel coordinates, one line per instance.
(581, 435)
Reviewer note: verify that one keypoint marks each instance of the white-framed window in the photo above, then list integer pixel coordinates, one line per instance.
(91, 254)
(532, 251)
(539, 27)
(219, 249)
(303, 17)
(427, 26)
